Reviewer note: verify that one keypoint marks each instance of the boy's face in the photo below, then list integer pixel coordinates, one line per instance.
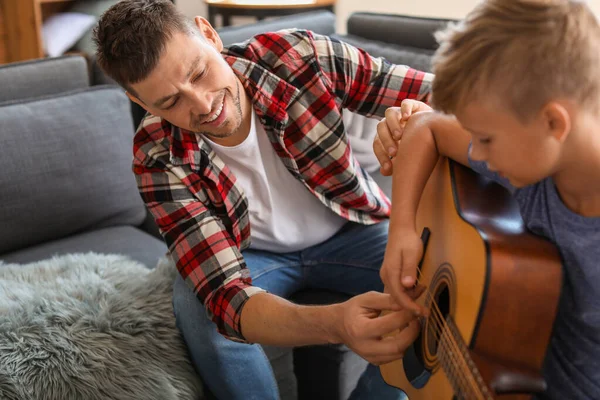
(193, 87)
(522, 152)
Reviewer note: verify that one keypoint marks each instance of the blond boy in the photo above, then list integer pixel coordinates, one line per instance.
(518, 85)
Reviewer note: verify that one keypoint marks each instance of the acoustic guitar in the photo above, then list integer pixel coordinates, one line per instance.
(492, 292)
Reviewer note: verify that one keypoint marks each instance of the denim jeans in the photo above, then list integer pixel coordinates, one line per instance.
(348, 262)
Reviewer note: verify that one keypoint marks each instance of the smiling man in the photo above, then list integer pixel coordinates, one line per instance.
(244, 162)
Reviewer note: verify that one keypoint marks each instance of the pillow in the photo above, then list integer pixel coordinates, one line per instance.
(66, 166)
(61, 31)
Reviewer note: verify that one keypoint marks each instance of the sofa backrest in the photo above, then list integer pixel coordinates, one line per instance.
(66, 162)
(42, 77)
(403, 30)
(400, 39)
(321, 22)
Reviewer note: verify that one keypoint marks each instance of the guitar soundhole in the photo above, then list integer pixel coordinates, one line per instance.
(434, 323)
(421, 361)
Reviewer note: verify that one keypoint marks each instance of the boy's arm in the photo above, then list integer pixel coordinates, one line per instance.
(426, 136)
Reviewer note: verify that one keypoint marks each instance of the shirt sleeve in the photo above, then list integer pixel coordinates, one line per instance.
(204, 252)
(365, 84)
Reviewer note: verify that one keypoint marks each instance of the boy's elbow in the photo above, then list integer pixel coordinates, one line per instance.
(451, 140)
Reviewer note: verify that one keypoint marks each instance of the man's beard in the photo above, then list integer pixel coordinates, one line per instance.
(238, 110)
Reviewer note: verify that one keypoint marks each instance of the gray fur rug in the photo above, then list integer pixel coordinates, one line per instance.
(89, 326)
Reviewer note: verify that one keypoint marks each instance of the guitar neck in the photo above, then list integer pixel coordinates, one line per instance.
(456, 362)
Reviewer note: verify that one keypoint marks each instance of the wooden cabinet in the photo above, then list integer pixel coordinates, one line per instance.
(21, 27)
(2, 38)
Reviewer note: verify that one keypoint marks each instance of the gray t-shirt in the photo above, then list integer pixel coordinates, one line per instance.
(572, 366)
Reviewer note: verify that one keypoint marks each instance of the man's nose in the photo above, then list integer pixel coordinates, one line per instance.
(201, 103)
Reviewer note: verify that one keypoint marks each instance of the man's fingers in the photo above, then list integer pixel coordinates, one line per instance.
(393, 116)
(382, 156)
(378, 301)
(385, 136)
(391, 348)
(407, 108)
(390, 322)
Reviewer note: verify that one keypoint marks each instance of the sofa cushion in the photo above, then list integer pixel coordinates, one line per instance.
(66, 167)
(42, 77)
(123, 240)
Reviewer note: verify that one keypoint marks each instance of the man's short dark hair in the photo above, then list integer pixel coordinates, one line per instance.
(131, 36)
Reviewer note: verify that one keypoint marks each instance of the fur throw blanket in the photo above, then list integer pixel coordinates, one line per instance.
(90, 326)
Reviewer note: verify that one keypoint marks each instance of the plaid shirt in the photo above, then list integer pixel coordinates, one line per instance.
(299, 83)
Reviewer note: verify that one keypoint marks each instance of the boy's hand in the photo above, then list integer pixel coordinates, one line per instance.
(390, 129)
(399, 270)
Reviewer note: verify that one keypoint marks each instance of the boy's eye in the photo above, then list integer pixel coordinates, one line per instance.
(484, 140)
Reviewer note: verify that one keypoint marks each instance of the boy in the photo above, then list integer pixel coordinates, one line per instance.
(521, 79)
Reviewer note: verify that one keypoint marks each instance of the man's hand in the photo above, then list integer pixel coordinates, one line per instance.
(365, 332)
(399, 270)
(390, 129)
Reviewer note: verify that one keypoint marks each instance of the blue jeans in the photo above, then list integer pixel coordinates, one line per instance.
(348, 262)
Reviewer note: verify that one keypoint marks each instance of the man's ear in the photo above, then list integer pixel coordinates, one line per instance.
(137, 101)
(209, 33)
(557, 120)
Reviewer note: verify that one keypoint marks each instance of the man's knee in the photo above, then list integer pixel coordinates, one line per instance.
(189, 312)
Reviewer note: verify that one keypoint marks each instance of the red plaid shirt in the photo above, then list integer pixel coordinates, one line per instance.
(299, 83)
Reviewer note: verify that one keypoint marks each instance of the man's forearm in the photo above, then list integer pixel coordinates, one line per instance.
(269, 319)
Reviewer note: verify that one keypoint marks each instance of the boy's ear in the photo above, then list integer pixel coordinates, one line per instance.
(557, 120)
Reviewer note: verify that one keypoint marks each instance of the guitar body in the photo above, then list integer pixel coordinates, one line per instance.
(497, 283)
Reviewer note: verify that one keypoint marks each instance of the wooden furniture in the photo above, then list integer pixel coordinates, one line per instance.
(492, 291)
(261, 9)
(21, 27)
(2, 37)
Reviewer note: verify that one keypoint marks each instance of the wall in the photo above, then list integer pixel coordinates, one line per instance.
(433, 8)
(427, 8)
(192, 8)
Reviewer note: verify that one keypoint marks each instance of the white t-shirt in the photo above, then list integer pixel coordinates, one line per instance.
(284, 215)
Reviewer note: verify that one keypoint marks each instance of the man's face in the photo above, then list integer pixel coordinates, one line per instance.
(523, 153)
(193, 87)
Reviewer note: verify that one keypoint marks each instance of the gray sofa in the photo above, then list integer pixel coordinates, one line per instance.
(67, 184)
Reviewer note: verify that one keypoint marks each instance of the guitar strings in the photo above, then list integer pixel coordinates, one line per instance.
(436, 325)
(438, 330)
(439, 325)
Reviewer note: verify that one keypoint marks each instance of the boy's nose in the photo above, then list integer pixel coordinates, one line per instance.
(476, 153)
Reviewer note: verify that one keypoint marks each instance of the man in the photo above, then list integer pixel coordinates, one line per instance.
(245, 165)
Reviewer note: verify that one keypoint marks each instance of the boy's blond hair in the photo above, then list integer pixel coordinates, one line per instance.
(527, 52)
